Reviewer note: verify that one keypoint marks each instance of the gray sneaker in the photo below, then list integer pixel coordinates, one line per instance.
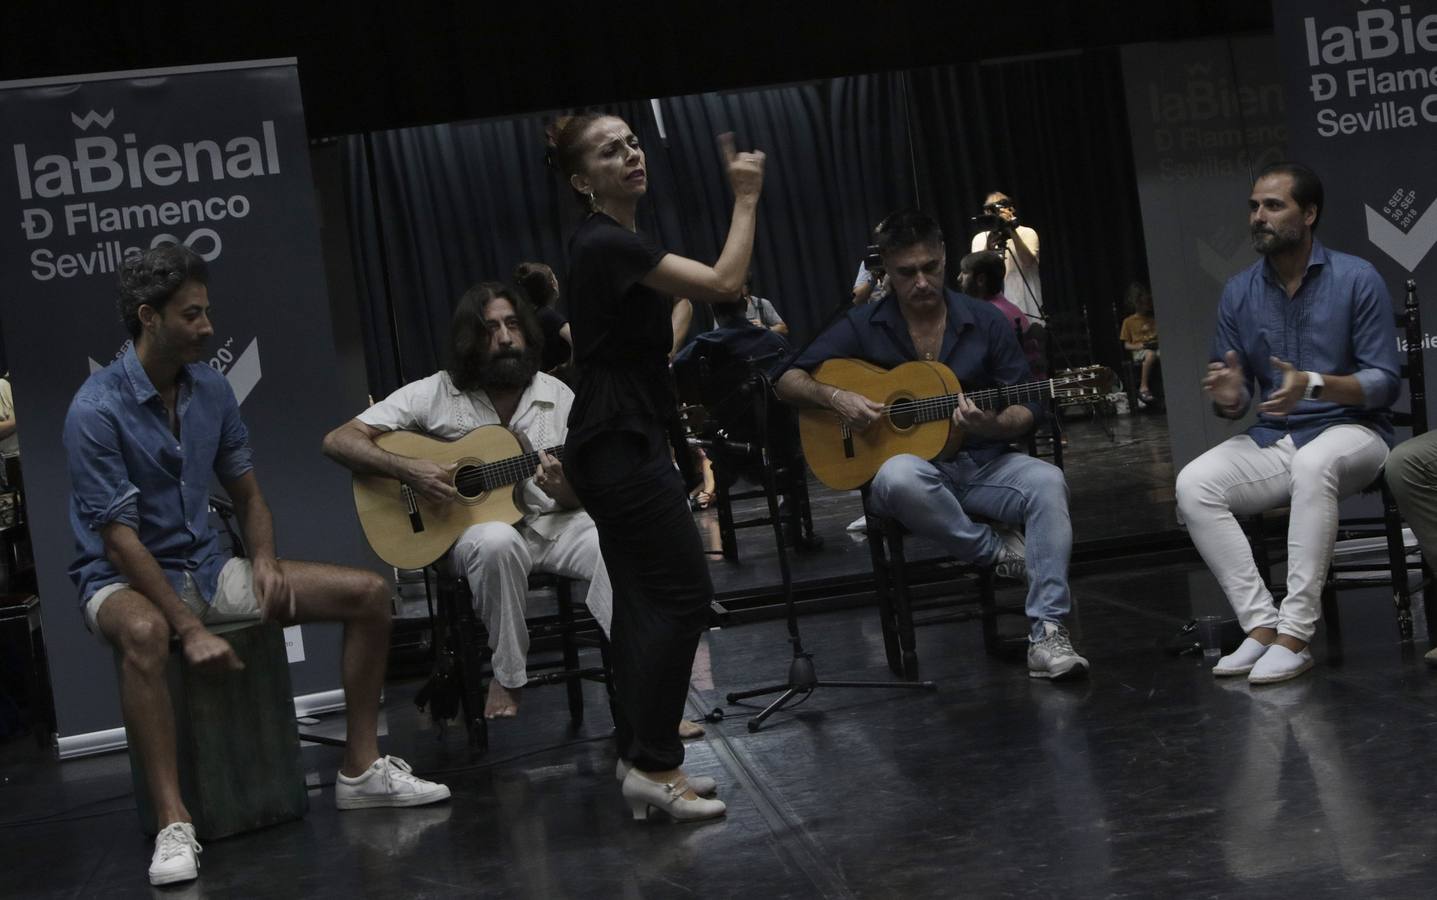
(1053, 657)
(1011, 561)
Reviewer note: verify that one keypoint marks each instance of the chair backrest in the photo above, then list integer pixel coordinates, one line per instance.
(729, 380)
(1413, 370)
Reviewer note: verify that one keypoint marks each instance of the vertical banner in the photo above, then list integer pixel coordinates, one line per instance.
(1362, 78)
(1204, 115)
(96, 167)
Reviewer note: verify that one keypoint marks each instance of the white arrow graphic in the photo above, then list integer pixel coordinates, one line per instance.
(245, 374)
(1220, 267)
(1408, 249)
(91, 118)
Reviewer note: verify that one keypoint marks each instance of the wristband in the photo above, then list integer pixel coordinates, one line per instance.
(834, 396)
(1314, 387)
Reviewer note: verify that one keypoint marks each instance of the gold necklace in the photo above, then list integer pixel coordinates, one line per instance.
(928, 347)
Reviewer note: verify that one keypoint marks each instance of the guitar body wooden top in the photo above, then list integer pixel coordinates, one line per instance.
(845, 462)
(414, 541)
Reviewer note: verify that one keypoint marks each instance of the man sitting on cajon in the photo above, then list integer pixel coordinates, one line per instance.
(142, 437)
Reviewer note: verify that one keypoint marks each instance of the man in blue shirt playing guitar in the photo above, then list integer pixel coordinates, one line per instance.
(935, 496)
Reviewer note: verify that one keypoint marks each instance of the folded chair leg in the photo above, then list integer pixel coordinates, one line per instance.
(574, 684)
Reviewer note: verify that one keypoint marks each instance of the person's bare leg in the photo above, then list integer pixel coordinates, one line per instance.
(133, 624)
(502, 702)
(1296, 645)
(360, 600)
(1148, 362)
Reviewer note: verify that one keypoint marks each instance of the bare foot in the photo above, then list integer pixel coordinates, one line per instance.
(690, 730)
(502, 702)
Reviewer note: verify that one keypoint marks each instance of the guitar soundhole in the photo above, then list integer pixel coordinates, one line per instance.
(469, 482)
(902, 414)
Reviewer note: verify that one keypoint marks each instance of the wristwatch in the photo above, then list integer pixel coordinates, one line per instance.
(1314, 387)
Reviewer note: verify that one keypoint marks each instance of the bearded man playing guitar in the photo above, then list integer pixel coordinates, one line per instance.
(921, 320)
(492, 378)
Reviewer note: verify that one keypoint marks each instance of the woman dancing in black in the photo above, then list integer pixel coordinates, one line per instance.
(623, 434)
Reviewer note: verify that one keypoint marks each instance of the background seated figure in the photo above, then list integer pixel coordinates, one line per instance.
(1139, 335)
(713, 368)
(759, 311)
(541, 287)
(981, 275)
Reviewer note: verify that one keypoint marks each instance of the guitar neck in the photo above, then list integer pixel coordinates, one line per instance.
(932, 409)
(512, 470)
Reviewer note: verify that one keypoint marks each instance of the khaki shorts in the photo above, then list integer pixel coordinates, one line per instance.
(234, 599)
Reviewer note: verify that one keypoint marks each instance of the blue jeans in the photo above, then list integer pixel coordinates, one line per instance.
(934, 499)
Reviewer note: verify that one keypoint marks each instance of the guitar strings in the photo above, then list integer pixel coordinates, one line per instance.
(934, 408)
(502, 472)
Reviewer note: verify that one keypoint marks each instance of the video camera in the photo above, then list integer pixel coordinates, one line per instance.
(873, 262)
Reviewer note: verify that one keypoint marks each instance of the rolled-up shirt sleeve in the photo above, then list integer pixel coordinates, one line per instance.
(1374, 341)
(234, 456)
(102, 490)
(1228, 336)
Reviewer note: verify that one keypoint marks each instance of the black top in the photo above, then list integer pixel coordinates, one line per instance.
(622, 332)
(556, 349)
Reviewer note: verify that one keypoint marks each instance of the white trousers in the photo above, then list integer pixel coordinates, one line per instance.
(1238, 476)
(497, 559)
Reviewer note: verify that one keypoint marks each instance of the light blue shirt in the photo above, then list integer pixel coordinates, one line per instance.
(1340, 322)
(127, 466)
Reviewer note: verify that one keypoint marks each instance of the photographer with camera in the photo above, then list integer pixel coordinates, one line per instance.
(1018, 244)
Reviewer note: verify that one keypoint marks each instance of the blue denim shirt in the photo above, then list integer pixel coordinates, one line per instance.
(127, 466)
(979, 345)
(1340, 322)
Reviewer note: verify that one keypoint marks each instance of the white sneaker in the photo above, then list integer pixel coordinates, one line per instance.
(1280, 664)
(389, 781)
(1241, 660)
(176, 852)
(1011, 562)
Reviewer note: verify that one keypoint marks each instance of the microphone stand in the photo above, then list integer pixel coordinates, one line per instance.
(802, 677)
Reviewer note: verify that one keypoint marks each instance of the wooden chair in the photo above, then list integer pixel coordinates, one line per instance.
(463, 652)
(894, 578)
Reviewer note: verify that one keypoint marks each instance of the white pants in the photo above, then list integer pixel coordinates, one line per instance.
(1238, 476)
(497, 559)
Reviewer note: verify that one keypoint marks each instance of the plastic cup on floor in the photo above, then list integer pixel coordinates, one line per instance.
(1209, 632)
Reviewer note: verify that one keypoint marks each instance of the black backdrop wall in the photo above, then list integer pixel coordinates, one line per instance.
(436, 208)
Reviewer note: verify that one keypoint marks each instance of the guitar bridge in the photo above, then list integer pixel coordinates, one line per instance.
(411, 505)
(847, 433)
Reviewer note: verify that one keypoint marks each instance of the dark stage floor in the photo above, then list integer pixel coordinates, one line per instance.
(1151, 779)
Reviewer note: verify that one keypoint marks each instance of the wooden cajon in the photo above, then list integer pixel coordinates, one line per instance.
(237, 741)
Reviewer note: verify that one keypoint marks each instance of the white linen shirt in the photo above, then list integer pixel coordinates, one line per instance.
(434, 406)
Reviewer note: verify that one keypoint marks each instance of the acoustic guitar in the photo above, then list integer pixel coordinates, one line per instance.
(410, 532)
(918, 401)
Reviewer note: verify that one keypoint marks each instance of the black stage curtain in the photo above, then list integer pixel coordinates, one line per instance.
(436, 209)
